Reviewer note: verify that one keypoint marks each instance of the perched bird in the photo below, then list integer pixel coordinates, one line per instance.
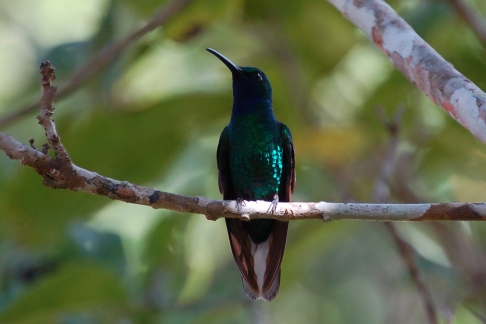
(255, 158)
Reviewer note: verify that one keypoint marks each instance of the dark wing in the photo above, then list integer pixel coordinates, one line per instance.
(278, 235)
(222, 159)
(238, 236)
(288, 174)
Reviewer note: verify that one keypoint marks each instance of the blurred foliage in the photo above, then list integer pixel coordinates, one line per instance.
(153, 117)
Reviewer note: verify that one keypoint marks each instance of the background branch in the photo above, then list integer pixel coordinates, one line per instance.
(105, 57)
(471, 16)
(382, 195)
(419, 62)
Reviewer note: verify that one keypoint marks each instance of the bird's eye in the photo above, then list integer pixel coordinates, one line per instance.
(258, 76)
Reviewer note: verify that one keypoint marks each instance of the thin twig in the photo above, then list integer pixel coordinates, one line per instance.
(381, 192)
(105, 57)
(408, 255)
(382, 195)
(471, 16)
(47, 110)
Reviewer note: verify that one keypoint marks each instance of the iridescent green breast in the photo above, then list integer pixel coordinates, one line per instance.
(256, 158)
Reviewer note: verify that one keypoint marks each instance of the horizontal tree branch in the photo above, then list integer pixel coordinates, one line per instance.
(60, 174)
(419, 62)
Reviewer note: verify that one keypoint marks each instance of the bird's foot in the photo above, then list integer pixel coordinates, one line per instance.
(240, 202)
(273, 205)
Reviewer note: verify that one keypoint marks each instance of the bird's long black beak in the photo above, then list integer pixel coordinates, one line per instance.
(232, 66)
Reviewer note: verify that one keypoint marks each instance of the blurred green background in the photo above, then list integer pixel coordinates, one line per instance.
(153, 117)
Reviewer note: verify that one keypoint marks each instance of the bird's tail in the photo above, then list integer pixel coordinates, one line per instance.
(258, 262)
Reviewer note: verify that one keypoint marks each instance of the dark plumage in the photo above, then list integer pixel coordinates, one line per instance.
(255, 159)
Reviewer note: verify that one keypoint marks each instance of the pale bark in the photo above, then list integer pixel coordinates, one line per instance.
(419, 62)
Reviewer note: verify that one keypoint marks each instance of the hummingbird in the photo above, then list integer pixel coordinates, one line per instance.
(255, 159)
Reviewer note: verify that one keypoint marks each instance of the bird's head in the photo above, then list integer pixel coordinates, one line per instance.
(249, 83)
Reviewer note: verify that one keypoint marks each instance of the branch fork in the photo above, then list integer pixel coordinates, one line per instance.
(47, 108)
(416, 59)
(60, 173)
